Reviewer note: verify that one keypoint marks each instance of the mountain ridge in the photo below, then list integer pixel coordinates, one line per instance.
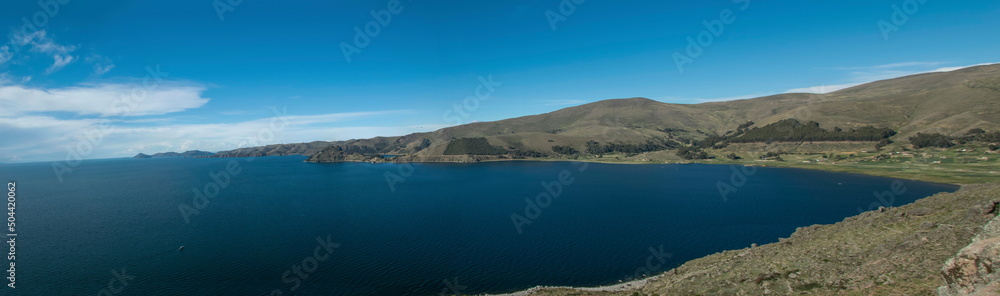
(941, 102)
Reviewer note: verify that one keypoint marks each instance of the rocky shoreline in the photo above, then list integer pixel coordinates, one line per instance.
(946, 244)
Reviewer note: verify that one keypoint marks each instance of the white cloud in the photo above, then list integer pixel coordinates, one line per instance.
(858, 76)
(102, 64)
(5, 54)
(862, 75)
(101, 99)
(40, 42)
(949, 69)
(101, 70)
(60, 62)
(894, 65)
(47, 138)
(822, 89)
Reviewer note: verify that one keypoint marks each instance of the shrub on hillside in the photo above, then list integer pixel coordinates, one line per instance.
(931, 140)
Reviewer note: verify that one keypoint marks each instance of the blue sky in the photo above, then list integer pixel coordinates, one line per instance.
(226, 69)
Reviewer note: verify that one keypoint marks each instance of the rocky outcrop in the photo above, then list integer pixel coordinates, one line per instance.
(450, 158)
(340, 154)
(975, 270)
(337, 154)
(310, 148)
(893, 251)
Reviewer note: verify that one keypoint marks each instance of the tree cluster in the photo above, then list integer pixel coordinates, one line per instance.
(596, 148)
(565, 150)
(931, 140)
(791, 130)
(944, 141)
(691, 153)
(979, 135)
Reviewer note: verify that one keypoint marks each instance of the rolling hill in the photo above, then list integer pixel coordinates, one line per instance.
(945, 102)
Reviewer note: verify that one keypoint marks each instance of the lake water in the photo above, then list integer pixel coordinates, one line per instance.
(437, 228)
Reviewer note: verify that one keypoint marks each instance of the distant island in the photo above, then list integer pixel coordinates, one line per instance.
(189, 153)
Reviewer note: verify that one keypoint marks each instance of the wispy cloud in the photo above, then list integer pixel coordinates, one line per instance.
(857, 76)
(5, 54)
(45, 137)
(862, 75)
(822, 89)
(102, 69)
(39, 41)
(60, 62)
(102, 64)
(894, 65)
(949, 69)
(101, 99)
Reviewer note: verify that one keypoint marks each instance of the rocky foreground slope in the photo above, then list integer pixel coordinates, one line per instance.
(919, 249)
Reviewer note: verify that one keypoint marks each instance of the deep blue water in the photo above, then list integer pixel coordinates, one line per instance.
(443, 222)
